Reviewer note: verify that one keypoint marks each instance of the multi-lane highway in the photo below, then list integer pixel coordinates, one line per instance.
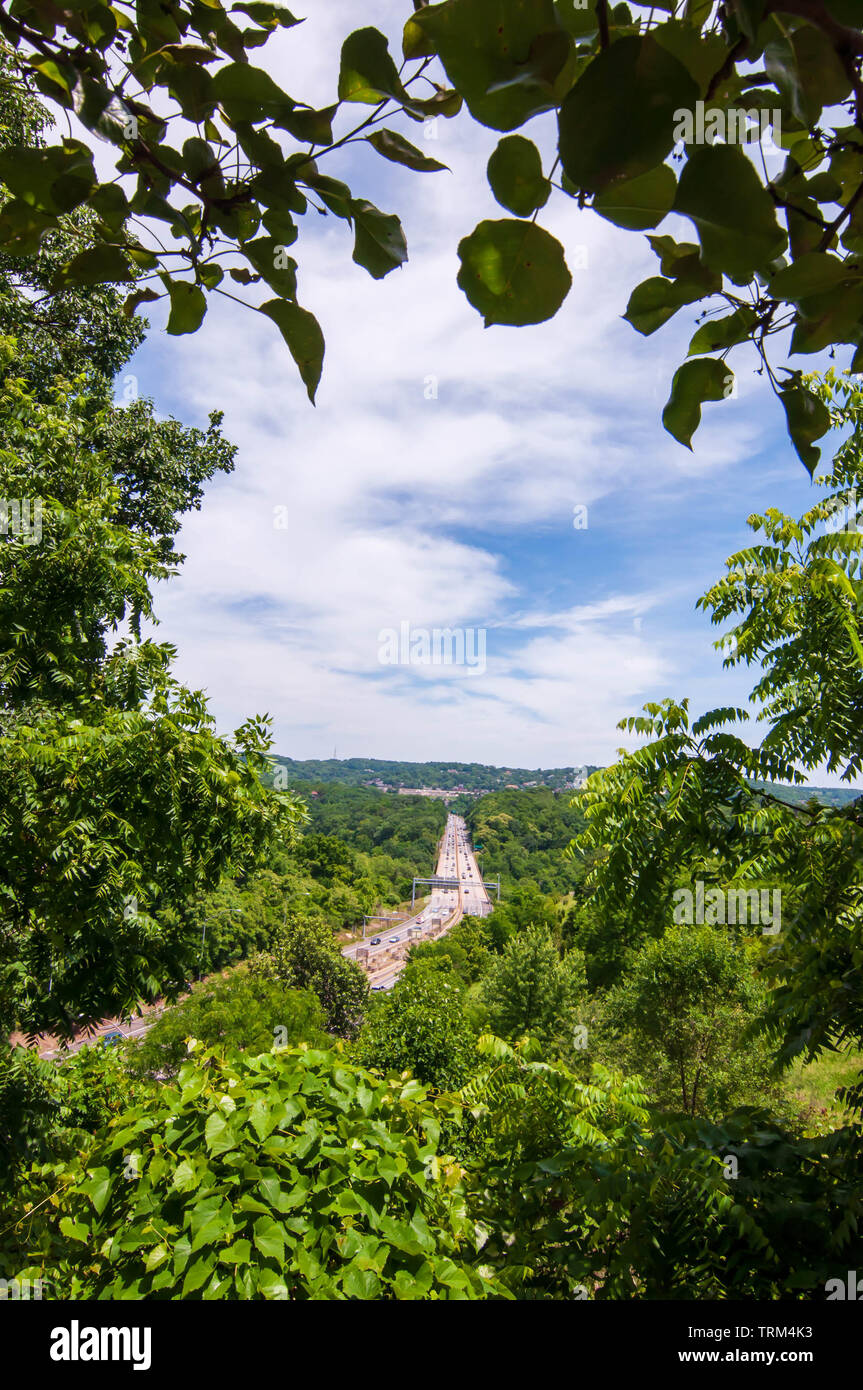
(383, 956)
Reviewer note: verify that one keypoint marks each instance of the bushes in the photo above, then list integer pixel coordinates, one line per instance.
(289, 1175)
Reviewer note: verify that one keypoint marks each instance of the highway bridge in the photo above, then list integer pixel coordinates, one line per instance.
(457, 891)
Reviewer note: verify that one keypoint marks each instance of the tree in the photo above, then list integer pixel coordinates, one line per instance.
(235, 1011)
(48, 1109)
(626, 88)
(118, 799)
(529, 989)
(686, 1003)
(420, 1027)
(304, 956)
(696, 792)
(464, 951)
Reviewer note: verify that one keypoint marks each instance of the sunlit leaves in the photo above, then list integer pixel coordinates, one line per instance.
(618, 120)
(734, 215)
(368, 73)
(379, 242)
(808, 419)
(302, 333)
(371, 1212)
(188, 306)
(640, 202)
(395, 147)
(703, 379)
(513, 272)
(516, 177)
(509, 59)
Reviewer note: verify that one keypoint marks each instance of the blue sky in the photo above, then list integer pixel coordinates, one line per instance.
(455, 511)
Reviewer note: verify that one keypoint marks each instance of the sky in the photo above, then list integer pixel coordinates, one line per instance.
(437, 483)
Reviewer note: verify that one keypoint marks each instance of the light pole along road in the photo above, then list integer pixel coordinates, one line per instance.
(460, 894)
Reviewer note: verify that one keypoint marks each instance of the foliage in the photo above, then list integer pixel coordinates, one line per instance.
(231, 194)
(118, 799)
(464, 951)
(685, 801)
(584, 1197)
(686, 1002)
(523, 834)
(421, 1027)
(627, 89)
(529, 989)
(48, 1108)
(304, 956)
(289, 1175)
(236, 1011)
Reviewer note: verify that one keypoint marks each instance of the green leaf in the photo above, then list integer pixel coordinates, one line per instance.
(272, 263)
(361, 1283)
(704, 379)
(513, 272)
(98, 265)
(268, 16)
(807, 417)
(720, 191)
(808, 72)
(53, 180)
(306, 124)
(188, 307)
(654, 301)
(379, 242)
(185, 1178)
(270, 1239)
(640, 202)
(395, 147)
(249, 94)
(75, 1230)
(98, 1189)
(302, 333)
(726, 332)
(508, 58)
(515, 176)
(198, 1274)
(368, 73)
(618, 120)
(811, 273)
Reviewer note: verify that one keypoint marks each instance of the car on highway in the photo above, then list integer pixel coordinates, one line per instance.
(375, 988)
(394, 939)
(108, 1039)
(376, 941)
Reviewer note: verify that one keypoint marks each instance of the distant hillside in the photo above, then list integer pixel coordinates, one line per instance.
(445, 776)
(828, 796)
(479, 778)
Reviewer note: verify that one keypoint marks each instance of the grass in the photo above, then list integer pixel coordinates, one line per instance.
(811, 1086)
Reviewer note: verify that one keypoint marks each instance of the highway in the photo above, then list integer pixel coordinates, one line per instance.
(383, 956)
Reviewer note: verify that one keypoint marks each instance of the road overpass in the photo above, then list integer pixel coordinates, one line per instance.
(460, 893)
